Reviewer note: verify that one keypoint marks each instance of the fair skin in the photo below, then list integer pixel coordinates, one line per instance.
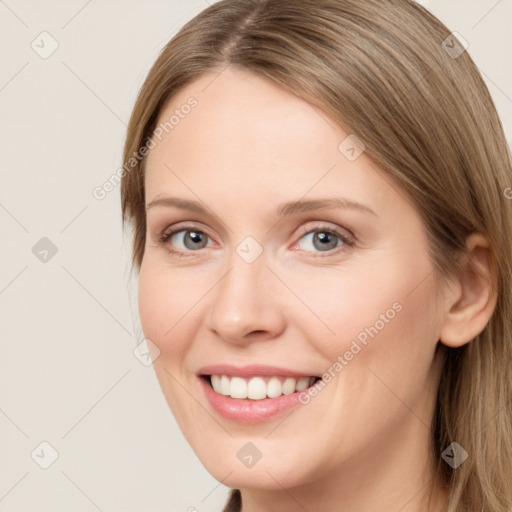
(361, 444)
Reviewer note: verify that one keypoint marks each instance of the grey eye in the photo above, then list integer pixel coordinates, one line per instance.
(321, 241)
(192, 240)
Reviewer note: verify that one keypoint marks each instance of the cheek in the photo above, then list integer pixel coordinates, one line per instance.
(380, 328)
(384, 320)
(392, 299)
(167, 317)
(386, 333)
(165, 302)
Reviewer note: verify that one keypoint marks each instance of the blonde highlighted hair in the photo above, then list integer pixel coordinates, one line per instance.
(391, 73)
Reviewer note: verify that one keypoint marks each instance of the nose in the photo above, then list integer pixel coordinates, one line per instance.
(245, 305)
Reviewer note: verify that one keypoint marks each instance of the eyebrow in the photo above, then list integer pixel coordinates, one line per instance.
(289, 208)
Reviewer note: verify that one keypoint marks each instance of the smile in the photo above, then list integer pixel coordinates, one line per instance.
(258, 387)
(252, 394)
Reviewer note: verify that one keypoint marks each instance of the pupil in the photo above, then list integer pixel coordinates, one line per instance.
(325, 240)
(195, 237)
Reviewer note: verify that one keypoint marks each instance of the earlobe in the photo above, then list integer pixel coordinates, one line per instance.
(471, 302)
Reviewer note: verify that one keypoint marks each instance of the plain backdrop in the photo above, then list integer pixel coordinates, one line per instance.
(73, 396)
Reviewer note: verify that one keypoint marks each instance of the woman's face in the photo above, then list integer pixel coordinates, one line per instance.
(274, 277)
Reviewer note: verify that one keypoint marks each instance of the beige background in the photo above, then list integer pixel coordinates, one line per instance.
(68, 375)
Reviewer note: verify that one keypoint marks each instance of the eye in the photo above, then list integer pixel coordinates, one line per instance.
(185, 240)
(324, 239)
(321, 239)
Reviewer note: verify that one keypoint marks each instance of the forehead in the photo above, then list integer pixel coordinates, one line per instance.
(248, 114)
(248, 137)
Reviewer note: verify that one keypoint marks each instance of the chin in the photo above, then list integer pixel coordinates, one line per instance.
(255, 463)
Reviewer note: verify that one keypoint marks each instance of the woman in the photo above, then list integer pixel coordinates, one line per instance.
(320, 198)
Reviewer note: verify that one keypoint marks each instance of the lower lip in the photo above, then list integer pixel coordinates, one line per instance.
(247, 410)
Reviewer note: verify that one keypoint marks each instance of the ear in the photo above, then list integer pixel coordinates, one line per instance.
(469, 304)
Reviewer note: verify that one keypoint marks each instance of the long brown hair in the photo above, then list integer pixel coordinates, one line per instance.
(391, 73)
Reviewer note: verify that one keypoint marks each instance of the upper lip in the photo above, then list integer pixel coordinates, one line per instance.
(250, 371)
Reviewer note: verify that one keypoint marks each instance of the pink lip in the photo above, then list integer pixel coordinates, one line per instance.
(247, 410)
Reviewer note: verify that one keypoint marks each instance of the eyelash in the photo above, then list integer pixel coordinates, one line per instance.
(346, 239)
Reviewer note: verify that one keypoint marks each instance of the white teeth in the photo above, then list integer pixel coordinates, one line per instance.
(258, 388)
(215, 380)
(302, 383)
(238, 388)
(224, 385)
(274, 388)
(289, 386)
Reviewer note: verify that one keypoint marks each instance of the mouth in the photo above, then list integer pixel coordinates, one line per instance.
(258, 387)
(255, 393)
